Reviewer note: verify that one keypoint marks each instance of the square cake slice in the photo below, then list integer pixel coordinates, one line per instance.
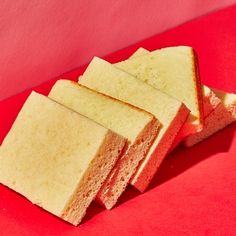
(57, 158)
(138, 126)
(106, 78)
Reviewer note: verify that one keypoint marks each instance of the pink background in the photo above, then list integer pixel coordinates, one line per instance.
(40, 40)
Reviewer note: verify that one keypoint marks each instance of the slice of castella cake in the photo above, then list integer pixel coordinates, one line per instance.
(137, 125)
(57, 158)
(106, 78)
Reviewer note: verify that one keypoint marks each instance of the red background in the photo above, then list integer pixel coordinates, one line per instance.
(194, 191)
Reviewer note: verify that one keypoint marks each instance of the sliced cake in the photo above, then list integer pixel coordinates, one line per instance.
(220, 112)
(106, 78)
(57, 158)
(173, 70)
(138, 126)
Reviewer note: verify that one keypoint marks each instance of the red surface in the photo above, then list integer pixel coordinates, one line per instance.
(194, 191)
(40, 40)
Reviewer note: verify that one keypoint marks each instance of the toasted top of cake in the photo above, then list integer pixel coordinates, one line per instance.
(172, 70)
(118, 116)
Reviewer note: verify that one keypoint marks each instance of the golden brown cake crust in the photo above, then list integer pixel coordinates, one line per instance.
(196, 72)
(112, 98)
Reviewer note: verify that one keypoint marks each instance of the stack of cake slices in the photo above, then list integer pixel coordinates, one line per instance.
(88, 141)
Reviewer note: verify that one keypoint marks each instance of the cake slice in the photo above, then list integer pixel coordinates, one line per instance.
(167, 69)
(210, 102)
(173, 70)
(57, 158)
(106, 78)
(138, 126)
(220, 112)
